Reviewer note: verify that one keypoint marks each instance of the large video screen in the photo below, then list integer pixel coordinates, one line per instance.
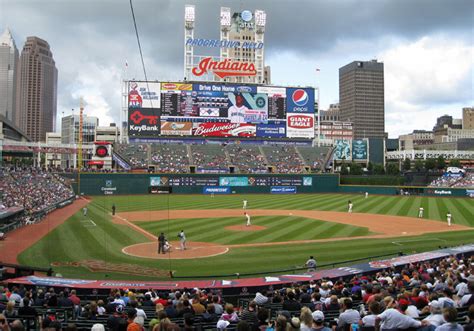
(228, 110)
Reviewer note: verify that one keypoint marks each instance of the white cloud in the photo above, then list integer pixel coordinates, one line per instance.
(425, 79)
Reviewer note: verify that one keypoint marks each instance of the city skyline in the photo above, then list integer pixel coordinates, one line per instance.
(426, 48)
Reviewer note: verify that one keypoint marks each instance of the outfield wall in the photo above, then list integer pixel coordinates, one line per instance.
(119, 184)
(129, 183)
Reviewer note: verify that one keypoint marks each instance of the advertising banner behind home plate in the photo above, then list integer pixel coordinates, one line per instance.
(299, 125)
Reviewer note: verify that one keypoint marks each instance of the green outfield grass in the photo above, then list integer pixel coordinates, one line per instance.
(278, 229)
(77, 240)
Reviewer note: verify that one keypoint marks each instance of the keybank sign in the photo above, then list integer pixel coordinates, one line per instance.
(216, 43)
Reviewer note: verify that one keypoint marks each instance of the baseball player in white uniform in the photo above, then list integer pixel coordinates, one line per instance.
(366, 195)
(420, 212)
(182, 240)
(84, 211)
(248, 219)
(350, 205)
(245, 204)
(448, 218)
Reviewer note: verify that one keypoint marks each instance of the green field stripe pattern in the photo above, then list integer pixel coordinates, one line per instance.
(78, 240)
(435, 208)
(278, 229)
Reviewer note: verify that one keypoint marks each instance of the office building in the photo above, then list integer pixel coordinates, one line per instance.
(468, 118)
(70, 135)
(361, 98)
(8, 75)
(37, 89)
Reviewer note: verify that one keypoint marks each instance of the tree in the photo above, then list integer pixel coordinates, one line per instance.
(430, 164)
(370, 167)
(440, 162)
(455, 163)
(379, 170)
(356, 169)
(406, 164)
(419, 165)
(392, 169)
(344, 170)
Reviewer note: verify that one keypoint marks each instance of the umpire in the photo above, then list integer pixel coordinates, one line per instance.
(161, 243)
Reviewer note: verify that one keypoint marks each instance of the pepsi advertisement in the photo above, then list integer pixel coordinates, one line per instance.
(300, 100)
(271, 130)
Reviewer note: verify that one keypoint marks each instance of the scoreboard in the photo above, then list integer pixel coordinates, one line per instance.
(231, 181)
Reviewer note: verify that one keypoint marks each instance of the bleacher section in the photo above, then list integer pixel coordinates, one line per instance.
(313, 156)
(134, 154)
(246, 158)
(285, 159)
(209, 156)
(170, 158)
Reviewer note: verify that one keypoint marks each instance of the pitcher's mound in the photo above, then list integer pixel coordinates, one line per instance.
(193, 250)
(245, 228)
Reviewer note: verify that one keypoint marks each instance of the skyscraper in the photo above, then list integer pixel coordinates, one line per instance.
(8, 75)
(37, 94)
(361, 98)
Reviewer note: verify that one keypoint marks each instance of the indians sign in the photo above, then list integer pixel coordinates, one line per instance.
(224, 68)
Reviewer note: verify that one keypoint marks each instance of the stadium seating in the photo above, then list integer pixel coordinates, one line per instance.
(209, 156)
(247, 158)
(313, 156)
(136, 155)
(461, 182)
(170, 158)
(420, 290)
(285, 159)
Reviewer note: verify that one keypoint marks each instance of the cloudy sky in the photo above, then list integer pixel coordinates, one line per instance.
(426, 46)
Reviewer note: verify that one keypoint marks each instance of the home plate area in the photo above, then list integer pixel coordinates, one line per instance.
(193, 250)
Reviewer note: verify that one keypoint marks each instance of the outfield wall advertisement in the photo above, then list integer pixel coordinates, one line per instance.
(342, 150)
(359, 150)
(221, 110)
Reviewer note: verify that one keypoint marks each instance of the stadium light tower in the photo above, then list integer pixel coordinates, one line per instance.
(189, 19)
(225, 28)
(260, 22)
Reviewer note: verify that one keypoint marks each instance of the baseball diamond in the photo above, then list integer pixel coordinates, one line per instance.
(288, 228)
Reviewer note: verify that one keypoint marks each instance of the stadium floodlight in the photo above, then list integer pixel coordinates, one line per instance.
(225, 16)
(260, 18)
(189, 13)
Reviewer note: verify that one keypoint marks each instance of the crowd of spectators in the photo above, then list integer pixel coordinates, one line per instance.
(136, 155)
(465, 181)
(211, 156)
(284, 158)
(436, 295)
(172, 158)
(32, 189)
(247, 159)
(175, 158)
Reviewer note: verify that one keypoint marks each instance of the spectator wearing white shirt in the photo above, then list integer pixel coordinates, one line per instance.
(374, 309)
(450, 314)
(349, 316)
(391, 318)
(435, 318)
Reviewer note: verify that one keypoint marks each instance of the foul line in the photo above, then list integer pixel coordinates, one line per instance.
(136, 227)
(88, 225)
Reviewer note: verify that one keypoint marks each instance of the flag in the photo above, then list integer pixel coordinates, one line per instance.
(317, 69)
(126, 64)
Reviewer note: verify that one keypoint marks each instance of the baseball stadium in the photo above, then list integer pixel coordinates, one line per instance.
(223, 202)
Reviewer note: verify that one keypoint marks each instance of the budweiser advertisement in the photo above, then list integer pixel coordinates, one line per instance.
(176, 128)
(224, 130)
(299, 125)
(224, 68)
